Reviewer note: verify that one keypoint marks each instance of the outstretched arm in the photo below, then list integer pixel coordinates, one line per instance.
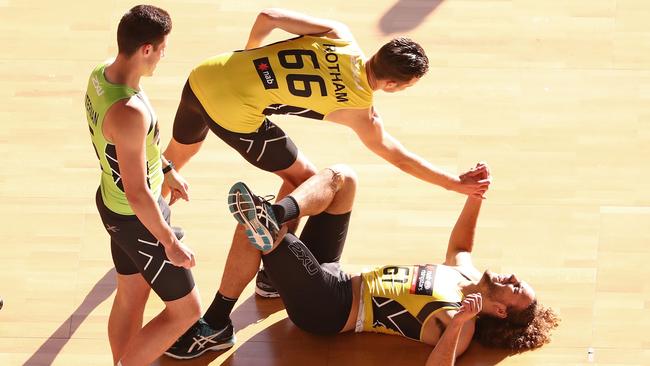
(293, 22)
(461, 241)
(368, 125)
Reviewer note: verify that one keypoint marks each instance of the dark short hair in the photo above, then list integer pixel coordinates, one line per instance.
(401, 59)
(143, 24)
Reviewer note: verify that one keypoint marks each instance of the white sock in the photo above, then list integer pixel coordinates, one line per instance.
(119, 363)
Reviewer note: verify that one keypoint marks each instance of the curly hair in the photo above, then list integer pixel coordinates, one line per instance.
(519, 331)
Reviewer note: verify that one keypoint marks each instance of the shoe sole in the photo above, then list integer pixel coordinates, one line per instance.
(219, 347)
(266, 294)
(258, 235)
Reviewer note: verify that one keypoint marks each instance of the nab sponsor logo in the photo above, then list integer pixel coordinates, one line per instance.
(265, 72)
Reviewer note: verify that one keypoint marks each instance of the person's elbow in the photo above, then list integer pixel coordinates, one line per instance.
(269, 15)
(341, 30)
(136, 194)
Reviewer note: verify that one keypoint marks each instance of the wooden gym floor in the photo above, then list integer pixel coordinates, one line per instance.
(555, 95)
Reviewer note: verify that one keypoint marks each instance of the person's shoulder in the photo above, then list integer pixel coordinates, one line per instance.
(128, 113)
(132, 107)
(435, 326)
(466, 270)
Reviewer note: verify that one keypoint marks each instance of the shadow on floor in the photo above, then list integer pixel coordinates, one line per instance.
(266, 337)
(406, 15)
(47, 352)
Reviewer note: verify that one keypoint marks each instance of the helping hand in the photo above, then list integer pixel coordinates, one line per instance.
(476, 181)
(178, 187)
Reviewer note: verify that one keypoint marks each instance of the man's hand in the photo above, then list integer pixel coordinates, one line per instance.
(481, 171)
(470, 307)
(178, 186)
(475, 182)
(180, 255)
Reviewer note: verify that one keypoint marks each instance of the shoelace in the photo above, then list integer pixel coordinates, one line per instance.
(263, 214)
(267, 199)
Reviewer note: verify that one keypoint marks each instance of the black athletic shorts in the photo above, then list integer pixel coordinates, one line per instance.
(268, 148)
(136, 250)
(306, 272)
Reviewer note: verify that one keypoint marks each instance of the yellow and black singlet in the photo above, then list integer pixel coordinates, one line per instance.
(305, 76)
(398, 300)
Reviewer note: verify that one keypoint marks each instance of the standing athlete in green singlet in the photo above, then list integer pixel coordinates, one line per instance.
(146, 252)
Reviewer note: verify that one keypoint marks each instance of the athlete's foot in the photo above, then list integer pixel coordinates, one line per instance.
(201, 338)
(255, 213)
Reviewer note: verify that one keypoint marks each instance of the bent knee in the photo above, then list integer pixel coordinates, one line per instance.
(185, 310)
(193, 311)
(132, 291)
(343, 176)
(131, 299)
(298, 173)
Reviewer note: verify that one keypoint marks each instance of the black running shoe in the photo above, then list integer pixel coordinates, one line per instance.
(255, 213)
(264, 286)
(201, 338)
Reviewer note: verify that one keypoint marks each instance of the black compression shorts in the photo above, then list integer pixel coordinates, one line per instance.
(307, 274)
(136, 250)
(268, 148)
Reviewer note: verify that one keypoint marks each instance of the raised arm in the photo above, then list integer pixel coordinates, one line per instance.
(461, 240)
(293, 22)
(368, 125)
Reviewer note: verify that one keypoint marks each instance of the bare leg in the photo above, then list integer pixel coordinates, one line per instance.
(332, 190)
(241, 265)
(125, 320)
(292, 177)
(161, 332)
(179, 154)
(244, 260)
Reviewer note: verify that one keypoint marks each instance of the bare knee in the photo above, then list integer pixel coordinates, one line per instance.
(132, 291)
(301, 170)
(192, 311)
(186, 310)
(180, 153)
(131, 300)
(343, 177)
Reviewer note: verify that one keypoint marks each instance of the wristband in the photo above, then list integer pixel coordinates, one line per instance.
(168, 168)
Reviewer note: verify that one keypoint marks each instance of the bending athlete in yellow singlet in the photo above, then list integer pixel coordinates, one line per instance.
(321, 74)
